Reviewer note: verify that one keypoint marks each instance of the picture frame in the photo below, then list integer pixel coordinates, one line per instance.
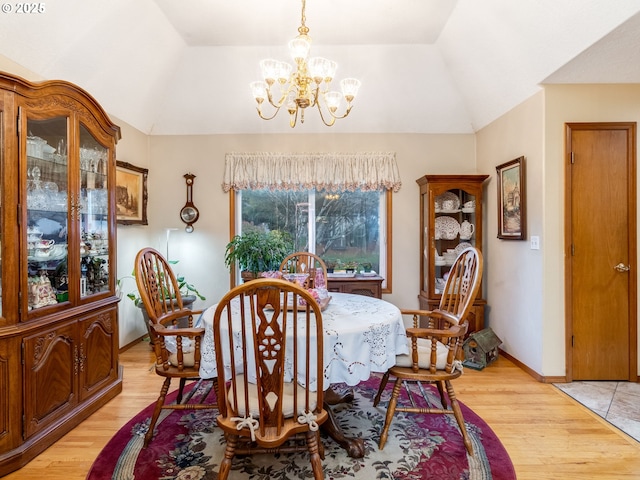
(512, 217)
(131, 194)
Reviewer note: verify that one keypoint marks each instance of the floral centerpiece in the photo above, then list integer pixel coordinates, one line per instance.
(319, 290)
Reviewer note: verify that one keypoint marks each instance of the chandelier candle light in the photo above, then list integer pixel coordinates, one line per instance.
(304, 87)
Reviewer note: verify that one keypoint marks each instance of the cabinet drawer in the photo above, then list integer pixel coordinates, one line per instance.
(367, 286)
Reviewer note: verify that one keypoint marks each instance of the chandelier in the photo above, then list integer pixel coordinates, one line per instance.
(305, 86)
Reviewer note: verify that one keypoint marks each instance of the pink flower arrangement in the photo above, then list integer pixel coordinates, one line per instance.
(314, 294)
(272, 274)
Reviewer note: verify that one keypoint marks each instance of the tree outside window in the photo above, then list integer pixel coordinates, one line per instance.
(340, 227)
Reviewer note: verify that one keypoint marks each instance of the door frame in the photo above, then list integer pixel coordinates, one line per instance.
(632, 240)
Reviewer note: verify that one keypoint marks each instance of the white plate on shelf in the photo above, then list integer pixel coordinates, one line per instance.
(461, 246)
(468, 210)
(446, 228)
(369, 274)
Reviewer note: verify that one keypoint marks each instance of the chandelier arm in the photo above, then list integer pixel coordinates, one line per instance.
(333, 115)
(316, 103)
(268, 118)
(333, 119)
(343, 115)
(280, 102)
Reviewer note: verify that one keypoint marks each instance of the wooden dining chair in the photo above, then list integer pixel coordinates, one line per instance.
(176, 342)
(436, 348)
(276, 330)
(306, 263)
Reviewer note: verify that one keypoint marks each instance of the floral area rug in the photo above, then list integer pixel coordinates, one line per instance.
(189, 446)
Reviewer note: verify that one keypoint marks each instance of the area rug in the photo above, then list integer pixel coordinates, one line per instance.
(189, 446)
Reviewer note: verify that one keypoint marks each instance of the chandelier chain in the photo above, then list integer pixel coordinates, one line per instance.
(302, 29)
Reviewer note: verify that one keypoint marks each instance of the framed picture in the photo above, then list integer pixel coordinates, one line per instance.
(511, 200)
(131, 194)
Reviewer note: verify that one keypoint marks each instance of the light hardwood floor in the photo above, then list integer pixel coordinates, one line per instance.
(547, 434)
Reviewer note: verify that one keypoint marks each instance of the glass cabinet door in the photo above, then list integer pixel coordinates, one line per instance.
(93, 215)
(454, 230)
(450, 221)
(47, 232)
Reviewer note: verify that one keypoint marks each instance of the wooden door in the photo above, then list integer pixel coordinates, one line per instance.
(601, 251)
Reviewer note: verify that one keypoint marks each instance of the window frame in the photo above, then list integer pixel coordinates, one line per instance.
(385, 230)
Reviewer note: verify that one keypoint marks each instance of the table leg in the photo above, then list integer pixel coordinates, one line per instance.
(332, 397)
(353, 445)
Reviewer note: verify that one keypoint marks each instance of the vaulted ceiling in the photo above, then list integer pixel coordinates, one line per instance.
(172, 67)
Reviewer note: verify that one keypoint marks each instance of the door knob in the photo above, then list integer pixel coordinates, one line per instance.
(621, 267)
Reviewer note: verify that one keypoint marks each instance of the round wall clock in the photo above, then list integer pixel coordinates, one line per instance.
(189, 213)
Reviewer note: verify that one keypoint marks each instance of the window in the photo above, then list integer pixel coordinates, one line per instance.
(341, 227)
(337, 205)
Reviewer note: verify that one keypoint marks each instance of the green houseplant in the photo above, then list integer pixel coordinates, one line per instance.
(351, 266)
(366, 266)
(256, 251)
(188, 291)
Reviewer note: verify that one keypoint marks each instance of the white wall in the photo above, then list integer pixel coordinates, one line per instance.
(133, 148)
(513, 272)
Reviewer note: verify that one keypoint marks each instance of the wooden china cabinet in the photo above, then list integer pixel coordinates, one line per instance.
(58, 308)
(450, 220)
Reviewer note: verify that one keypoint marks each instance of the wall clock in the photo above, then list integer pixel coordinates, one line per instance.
(189, 213)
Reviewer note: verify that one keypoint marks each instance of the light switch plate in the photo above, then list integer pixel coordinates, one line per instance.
(535, 242)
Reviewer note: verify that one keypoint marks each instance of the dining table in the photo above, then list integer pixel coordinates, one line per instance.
(362, 335)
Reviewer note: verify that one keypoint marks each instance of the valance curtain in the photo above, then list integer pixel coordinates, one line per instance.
(330, 172)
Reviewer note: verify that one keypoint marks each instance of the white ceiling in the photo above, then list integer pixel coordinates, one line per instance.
(427, 66)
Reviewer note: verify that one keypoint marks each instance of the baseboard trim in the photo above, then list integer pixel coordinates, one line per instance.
(533, 373)
(134, 342)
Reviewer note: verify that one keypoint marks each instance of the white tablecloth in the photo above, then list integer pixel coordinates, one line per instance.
(361, 335)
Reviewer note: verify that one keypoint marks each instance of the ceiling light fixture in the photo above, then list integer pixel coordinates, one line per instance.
(306, 86)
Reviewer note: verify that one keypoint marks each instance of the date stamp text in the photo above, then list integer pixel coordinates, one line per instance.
(24, 8)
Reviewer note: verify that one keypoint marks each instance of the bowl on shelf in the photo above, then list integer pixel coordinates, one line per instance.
(447, 202)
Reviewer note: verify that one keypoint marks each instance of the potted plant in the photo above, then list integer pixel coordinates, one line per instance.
(350, 267)
(188, 291)
(366, 266)
(331, 265)
(255, 251)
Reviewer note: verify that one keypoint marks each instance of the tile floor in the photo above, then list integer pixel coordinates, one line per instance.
(617, 402)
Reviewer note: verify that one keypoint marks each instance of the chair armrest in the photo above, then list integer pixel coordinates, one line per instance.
(171, 317)
(435, 314)
(161, 330)
(452, 332)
